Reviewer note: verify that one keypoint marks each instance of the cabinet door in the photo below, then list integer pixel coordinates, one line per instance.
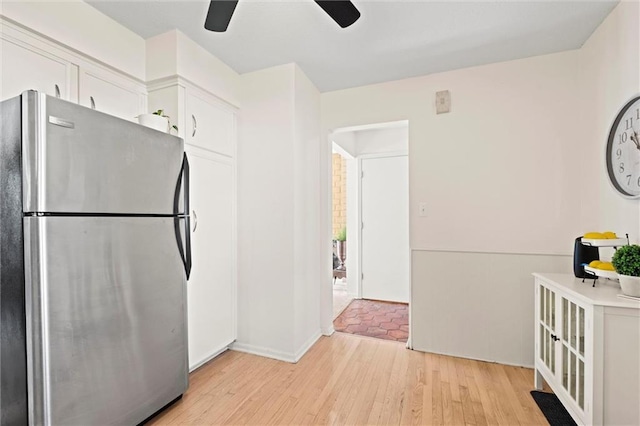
(26, 67)
(210, 125)
(111, 94)
(573, 351)
(211, 288)
(547, 322)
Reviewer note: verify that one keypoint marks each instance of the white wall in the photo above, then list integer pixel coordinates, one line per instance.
(610, 76)
(457, 295)
(478, 167)
(378, 141)
(345, 141)
(81, 27)
(307, 269)
(265, 212)
(173, 53)
(500, 174)
(279, 272)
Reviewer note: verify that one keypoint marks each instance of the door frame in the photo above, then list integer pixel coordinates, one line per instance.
(326, 299)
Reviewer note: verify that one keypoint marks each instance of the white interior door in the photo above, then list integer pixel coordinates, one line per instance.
(385, 233)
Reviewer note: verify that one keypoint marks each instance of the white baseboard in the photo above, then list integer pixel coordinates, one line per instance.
(512, 364)
(327, 331)
(275, 354)
(207, 359)
(263, 351)
(307, 345)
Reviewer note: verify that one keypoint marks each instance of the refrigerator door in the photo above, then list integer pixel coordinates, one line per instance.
(106, 329)
(77, 160)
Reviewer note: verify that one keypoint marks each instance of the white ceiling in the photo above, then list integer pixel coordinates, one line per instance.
(392, 39)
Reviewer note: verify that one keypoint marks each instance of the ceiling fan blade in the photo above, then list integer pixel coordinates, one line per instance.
(219, 15)
(341, 11)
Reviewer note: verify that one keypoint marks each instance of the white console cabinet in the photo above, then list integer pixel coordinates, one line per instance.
(587, 348)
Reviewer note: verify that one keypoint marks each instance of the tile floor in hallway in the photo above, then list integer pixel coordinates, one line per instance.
(341, 298)
(373, 318)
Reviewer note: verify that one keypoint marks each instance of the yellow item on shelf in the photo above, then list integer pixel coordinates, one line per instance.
(606, 266)
(594, 236)
(595, 263)
(610, 235)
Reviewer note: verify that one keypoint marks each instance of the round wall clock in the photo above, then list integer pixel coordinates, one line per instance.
(623, 150)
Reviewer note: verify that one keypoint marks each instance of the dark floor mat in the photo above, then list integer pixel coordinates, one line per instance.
(552, 409)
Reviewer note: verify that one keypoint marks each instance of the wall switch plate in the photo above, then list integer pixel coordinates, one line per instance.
(422, 209)
(443, 102)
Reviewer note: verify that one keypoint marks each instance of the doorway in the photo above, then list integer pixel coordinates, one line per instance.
(375, 163)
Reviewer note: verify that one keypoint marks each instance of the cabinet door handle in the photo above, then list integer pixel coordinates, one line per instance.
(93, 102)
(57, 90)
(195, 125)
(195, 221)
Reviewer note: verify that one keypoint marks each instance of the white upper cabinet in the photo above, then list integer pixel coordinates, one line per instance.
(210, 124)
(111, 93)
(26, 67)
(30, 61)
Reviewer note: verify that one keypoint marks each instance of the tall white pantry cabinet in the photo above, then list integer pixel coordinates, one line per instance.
(587, 348)
(208, 126)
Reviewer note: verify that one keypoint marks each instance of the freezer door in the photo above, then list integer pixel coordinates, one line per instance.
(106, 322)
(77, 160)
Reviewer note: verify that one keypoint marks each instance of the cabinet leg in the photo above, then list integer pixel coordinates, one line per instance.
(537, 379)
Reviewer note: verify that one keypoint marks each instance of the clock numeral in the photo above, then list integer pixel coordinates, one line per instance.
(638, 113)
(638, 181)
(619, 153)
(628, 179)
(622, 138)
(621, 168)
(628, 123)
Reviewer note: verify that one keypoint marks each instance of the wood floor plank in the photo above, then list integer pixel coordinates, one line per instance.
(427, 390)
(392, 409)
(437, 414)
(378, 403)
(353, 380)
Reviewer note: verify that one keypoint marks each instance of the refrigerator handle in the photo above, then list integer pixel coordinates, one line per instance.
(187, 225)
(185, 252)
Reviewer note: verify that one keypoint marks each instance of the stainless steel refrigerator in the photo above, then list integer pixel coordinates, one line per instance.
(94, 258)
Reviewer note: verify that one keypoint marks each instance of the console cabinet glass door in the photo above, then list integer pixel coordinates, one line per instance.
(573, 351)
(547, 328)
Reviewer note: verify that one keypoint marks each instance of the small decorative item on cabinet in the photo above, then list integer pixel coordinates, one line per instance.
(157, 120)
(626, 261)
(594, 269)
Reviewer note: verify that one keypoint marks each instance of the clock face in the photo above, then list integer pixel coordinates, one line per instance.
(623, 150)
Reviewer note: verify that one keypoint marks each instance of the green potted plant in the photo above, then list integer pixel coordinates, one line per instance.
(626, 261)
(341, 247)
(157, 120)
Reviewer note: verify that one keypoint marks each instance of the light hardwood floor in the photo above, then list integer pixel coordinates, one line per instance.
(347, 379)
